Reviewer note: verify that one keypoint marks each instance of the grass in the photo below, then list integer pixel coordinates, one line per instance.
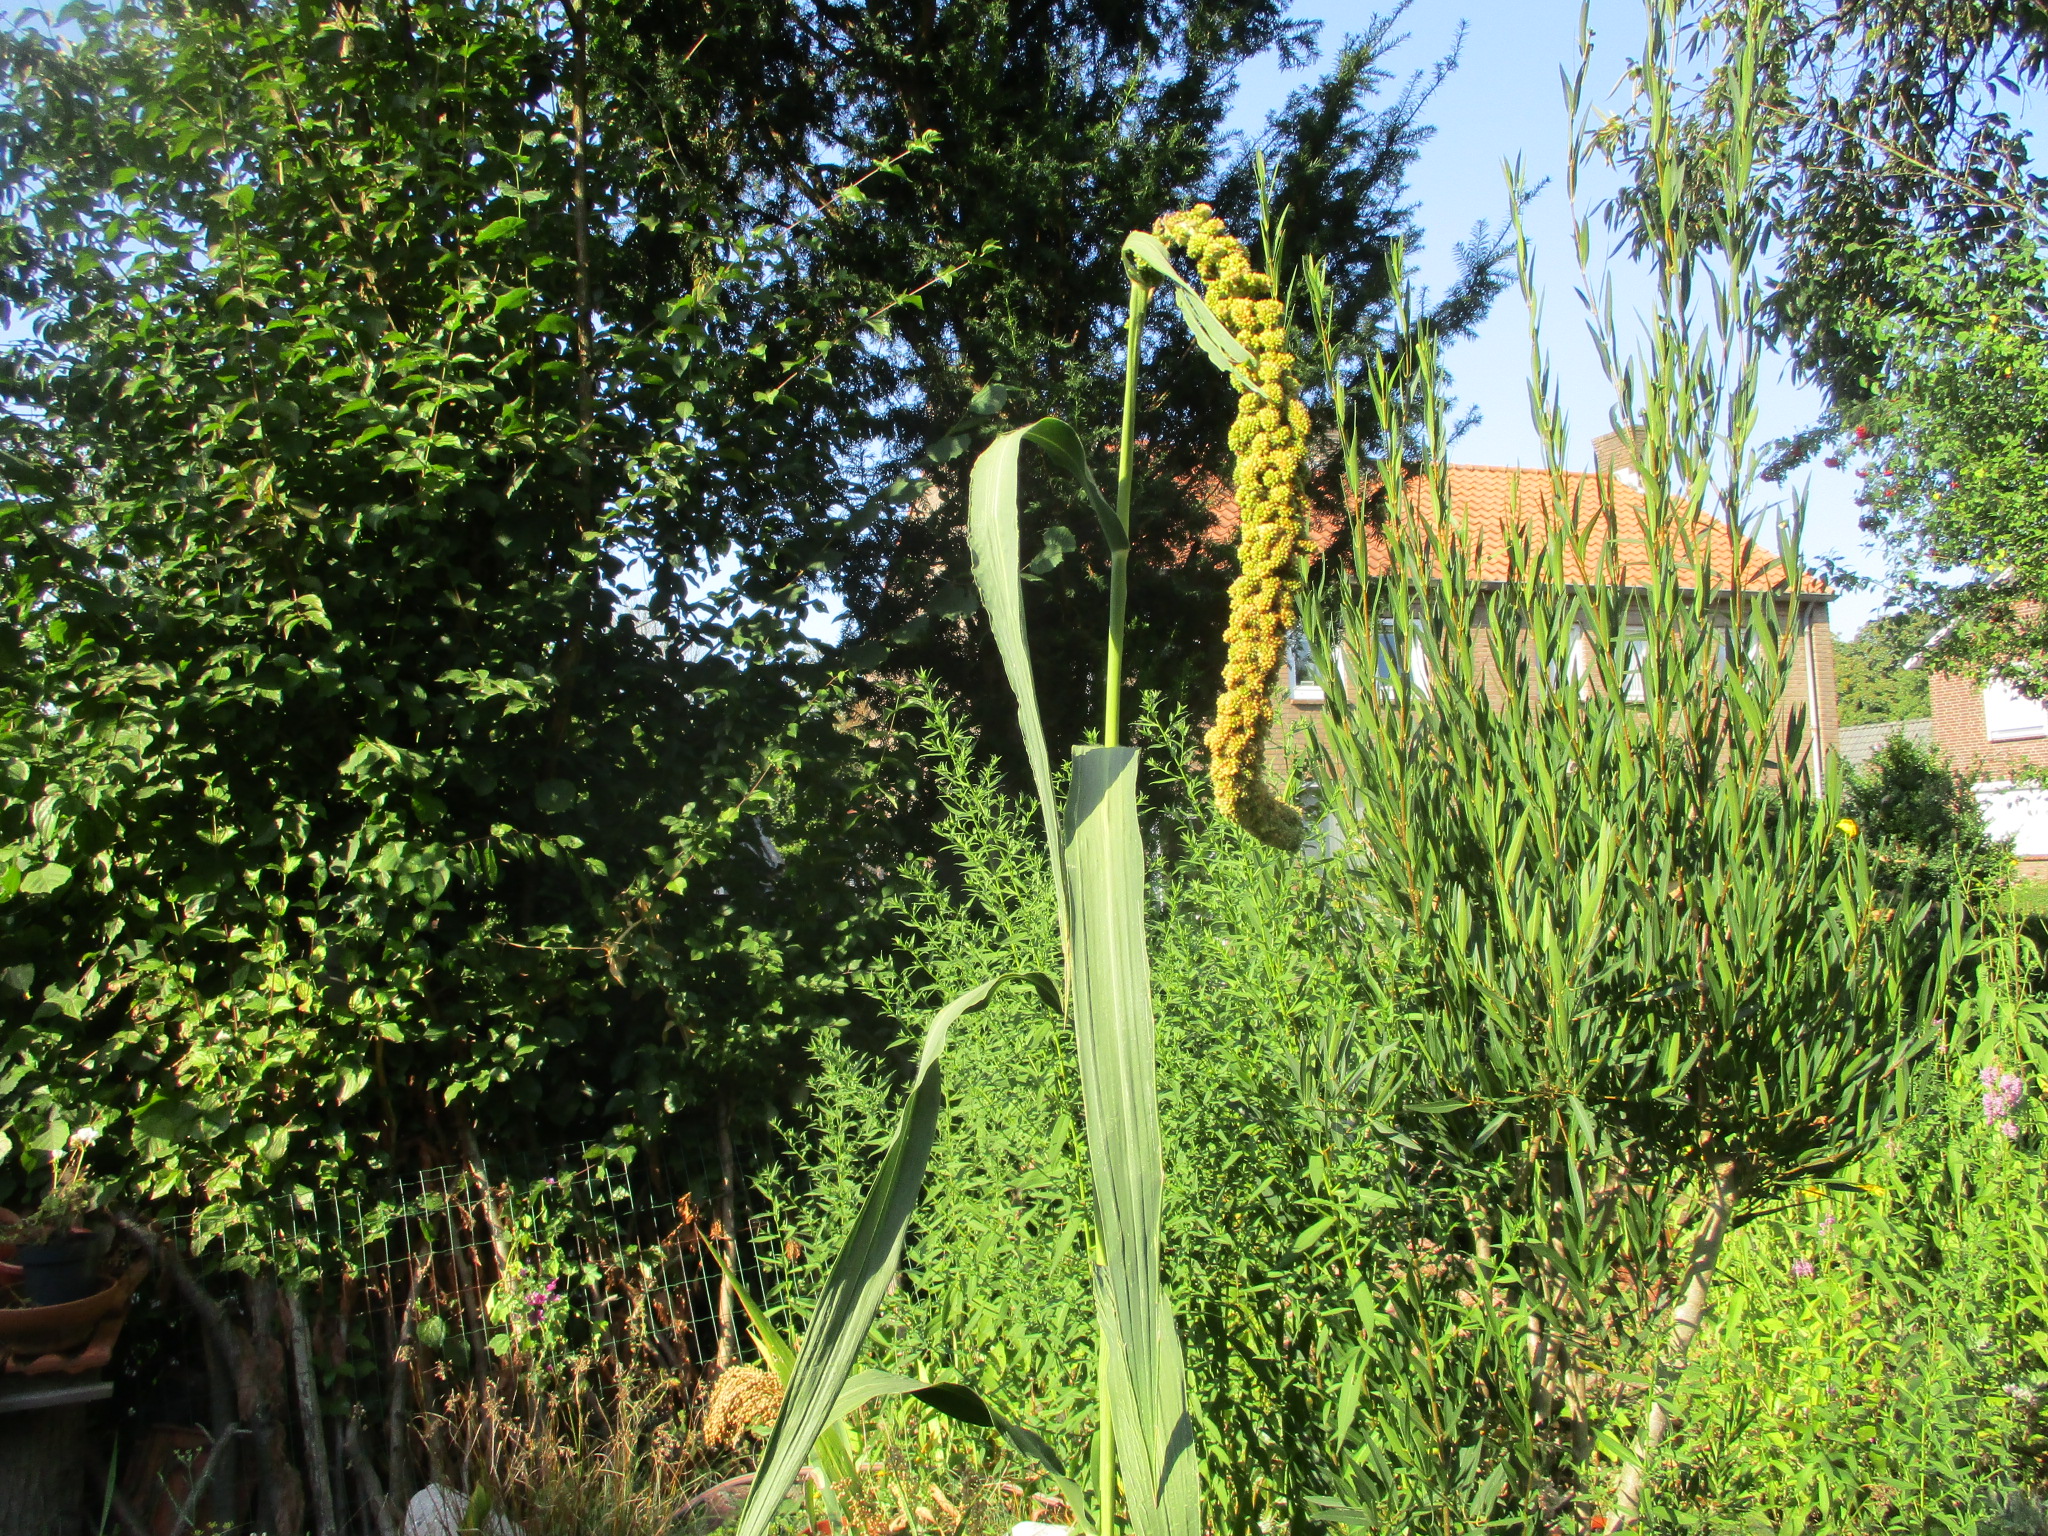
(2028, 898)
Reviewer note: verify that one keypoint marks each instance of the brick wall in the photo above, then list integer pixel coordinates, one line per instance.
(1958, 708)
(1824, 676)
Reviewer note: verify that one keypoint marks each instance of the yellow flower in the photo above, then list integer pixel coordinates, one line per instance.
(1269, 438)
(1846, 827)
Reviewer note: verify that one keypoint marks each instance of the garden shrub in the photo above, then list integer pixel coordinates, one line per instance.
(1925, 826)
(1879, 1361)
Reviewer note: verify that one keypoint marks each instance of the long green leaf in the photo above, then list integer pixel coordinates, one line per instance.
(861, 1274)
(835, 1456)
(992, 541)
(1105, 864)
(1224, 350)
(963, 1403)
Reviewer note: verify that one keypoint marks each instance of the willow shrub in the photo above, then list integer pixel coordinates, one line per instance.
(1663, 990)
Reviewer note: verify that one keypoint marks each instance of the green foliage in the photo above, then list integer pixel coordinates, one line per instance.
(1925, 827)
(1880, 1361)
(1266, 1059)
(1659, 985)
(1872, 683)
(1061, 126)
(384, 732)
(1955, 442)
(1910, 222)
(1886, 120)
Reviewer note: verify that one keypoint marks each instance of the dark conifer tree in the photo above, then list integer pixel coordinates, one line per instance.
(1060, 125)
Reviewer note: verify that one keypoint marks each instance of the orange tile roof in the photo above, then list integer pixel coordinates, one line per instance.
(1489, 506)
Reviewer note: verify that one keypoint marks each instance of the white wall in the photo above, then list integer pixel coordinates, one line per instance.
(2017, 811)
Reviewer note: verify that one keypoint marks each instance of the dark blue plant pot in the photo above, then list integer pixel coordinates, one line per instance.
(58, 1272)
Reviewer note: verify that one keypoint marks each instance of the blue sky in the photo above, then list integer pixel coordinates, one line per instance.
(1506, 100)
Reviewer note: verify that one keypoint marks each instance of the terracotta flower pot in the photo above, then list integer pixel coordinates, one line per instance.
(53, 1330)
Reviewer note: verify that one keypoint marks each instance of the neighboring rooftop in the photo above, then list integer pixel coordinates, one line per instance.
(1491, 505)
(1859, 743)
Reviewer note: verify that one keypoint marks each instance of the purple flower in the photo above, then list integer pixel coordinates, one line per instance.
(1827, 1224)
(2003, 1092)
(2008, 1130)
(1802, 1269)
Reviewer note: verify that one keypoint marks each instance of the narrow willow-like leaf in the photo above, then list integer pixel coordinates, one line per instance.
(963, 1403)
(1112, 997)
(860, 1275)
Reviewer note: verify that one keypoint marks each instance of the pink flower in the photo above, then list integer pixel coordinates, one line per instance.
(2003, 1093)
(1802, 1269)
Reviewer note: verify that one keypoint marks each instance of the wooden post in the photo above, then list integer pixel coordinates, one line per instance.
(309, 1416)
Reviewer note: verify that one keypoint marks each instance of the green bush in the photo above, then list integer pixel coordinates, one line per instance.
(1879, 1361)
(1925, 827)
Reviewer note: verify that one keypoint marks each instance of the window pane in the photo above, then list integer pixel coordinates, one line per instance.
(1635, 653)
(1304, 682)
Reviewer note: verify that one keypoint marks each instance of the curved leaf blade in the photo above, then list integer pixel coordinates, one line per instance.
(860, 1275)
(1115, 1034)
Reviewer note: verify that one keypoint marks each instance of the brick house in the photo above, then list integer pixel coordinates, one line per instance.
(1998, 736)
(1495, 503)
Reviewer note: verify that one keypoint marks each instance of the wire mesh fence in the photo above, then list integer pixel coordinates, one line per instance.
(584, 1247)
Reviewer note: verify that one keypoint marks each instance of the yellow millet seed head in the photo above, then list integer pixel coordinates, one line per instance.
(1269, 437)
(743, 1397)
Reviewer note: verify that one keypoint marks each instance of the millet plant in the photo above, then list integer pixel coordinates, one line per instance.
(1145, 1437)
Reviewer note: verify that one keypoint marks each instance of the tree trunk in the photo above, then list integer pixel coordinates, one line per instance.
(1685, 1326)
(260, 1396)
(309, 1417)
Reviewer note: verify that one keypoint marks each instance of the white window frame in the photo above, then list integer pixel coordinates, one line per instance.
(1301, 692)
(1635, 661)
(2010, 715)
(1387, 662)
